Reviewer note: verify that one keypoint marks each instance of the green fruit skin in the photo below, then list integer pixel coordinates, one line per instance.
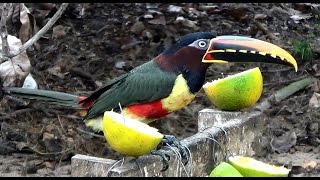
(232, 101)
(225, 170)
(237, 94)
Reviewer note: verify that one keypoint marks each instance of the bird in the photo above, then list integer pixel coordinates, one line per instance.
(168, 82)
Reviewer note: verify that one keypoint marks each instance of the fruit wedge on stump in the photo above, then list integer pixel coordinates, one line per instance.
(236, 92)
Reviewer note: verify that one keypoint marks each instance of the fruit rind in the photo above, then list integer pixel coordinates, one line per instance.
(235, 92)
(224, 169)
(250, 167)
(128, 136)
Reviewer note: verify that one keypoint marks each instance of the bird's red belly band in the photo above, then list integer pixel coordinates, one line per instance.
(147, 110)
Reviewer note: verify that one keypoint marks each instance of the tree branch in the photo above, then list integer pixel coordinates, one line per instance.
(285, 92)
(4, 33)
(42, 31)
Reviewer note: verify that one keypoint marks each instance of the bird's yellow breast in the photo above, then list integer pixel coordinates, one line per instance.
(179, 97)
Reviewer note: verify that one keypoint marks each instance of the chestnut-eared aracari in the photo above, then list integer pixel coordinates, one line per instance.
(168, 82)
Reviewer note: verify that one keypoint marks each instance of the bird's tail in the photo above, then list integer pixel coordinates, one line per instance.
(53, 97)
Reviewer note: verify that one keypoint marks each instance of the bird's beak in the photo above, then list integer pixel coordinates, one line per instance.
(224, 49)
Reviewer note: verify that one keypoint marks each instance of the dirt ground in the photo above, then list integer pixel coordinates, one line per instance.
(93, 43)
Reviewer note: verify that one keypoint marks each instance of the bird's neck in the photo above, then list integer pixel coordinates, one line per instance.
(188, 64)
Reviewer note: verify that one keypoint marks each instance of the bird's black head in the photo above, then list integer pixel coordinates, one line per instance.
(190, 39)
(206, 47)
(185, 57)
(193, 53)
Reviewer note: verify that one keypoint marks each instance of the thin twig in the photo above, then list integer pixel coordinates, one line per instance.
(52, 153)
(17, 100)
(16, 113)
(61, 124)
(90, 133)
(4, 33)
(42, 31)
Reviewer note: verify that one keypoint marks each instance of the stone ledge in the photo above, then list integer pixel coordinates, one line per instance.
(235, 132)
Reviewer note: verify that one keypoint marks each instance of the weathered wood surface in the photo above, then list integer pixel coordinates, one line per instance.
(235, 132)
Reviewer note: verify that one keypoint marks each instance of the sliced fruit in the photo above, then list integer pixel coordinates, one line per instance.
(225, 170)
(235, 92)
(250, 167)
(128, 136)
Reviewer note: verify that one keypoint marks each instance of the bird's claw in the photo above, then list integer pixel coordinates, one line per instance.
(173, 141)
(165, 158)
(169, 140)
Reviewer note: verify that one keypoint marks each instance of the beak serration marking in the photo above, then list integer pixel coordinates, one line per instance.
(231, 50)
(262, 53)
(246, 51)
(243, 51)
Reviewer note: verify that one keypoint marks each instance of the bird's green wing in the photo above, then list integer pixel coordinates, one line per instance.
(145, 83)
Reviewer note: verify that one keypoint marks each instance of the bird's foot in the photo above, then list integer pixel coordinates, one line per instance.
(171, 141)
(165, 158)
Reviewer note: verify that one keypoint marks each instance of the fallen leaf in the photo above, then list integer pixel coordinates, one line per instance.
(30, 83)
(148, 16)
(154, 12)
(260, 16)
(167, 42)
(147, 34)
(13, 72)
(187, 23)
(59, 31)
(312, 129)
(301, 7)
(226, 25)
(240, 14)
(284, 143)
(152, 5)
(21, 23)
(48, 165)
(119, 64)
(194, 13)
(315, 87)
(56, 70)
(131, 45)
(307, 7)
(64, 170)
(175, 9)
(298, 171)
(310, 165)
(21, 145)
(210, 9)
(40, 11)
(51, 142)
(137, 28)
(159, 20)
(298, 17)
(314, 101)
(316, 67)
(28, 24)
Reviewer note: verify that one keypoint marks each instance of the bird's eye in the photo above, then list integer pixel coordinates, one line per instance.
(202, 44)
